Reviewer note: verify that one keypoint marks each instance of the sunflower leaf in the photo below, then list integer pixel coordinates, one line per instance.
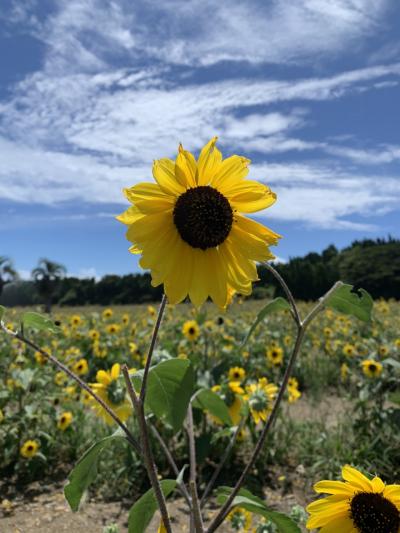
(85, 471)
(169, 389)
(209, 401)
(349, 301)
(253, 504)
(278, 304)
(37, 321)
(144, 508)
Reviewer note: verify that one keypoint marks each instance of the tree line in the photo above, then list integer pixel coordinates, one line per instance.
(371, 264)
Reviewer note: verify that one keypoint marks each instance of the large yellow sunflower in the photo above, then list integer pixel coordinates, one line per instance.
(190, 229)
(357, 505)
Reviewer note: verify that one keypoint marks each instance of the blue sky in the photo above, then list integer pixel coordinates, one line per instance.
(92, 91)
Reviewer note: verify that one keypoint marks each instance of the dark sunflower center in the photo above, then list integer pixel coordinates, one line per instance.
(191, 331)
(203, 217)
(30, 448)
(372, 513)
(372, 367)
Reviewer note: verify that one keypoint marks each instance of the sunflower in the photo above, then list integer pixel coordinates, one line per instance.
(81, 367)
(190, 229)
(236, 373)
(275, 355)
(109, 389)
(29, 449)
(372, 369)
(349, 350)
(357, 505)
(259, 397)
(191, 330)
(108, 313)
(64, 420)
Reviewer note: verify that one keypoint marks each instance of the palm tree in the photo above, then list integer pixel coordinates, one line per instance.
(7, 272)
(46, 275)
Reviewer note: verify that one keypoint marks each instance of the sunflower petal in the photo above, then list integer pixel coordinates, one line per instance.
(208, 163)
(164, 174)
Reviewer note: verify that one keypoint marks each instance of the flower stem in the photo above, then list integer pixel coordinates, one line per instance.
(197, 518)
(147, 452)
(151, 348)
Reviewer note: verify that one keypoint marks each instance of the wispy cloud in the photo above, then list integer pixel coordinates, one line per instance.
(87, 124)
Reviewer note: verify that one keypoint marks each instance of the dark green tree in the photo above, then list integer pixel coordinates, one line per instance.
(7, 272)
(46, 277)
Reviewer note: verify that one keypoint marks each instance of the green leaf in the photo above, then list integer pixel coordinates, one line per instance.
(169, 388)
(278, 304)
(358, 304)
(143, 510)
(253, 504)
(85, 472)
(2, 311)
(37, 321)
(391, 362)
(208, 400)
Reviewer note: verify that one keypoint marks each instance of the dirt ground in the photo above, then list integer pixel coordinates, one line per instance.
(42, 509)
(47, 512)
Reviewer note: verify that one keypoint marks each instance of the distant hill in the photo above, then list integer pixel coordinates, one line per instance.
(371, 264)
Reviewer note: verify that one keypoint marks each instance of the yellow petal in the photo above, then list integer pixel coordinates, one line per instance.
(185, 168)
(164, 174)
(260, 231)
(208, 163)
(180, 276)
(334, 487)
(377, 484)
(115, 371)
(103, 377)
(250, 196)
(358, 480)
(132, 214)
(250, 246)
(343, 524)
(198, 291)
(232, 170)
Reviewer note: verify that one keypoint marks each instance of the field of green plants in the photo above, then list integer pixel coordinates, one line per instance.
(342, 404)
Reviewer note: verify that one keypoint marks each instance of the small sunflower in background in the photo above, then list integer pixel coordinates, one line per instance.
(260, 398)
(64, 420)
(107, 313)
(81, 367)
(191, 330)
(240, 519)
(112, 329)
(349, 350)
(371, 368)
(190, 230)
(75, 320)
(29, 449)
(357, 505)
(275, 355)
(236, 373)
(109, 388)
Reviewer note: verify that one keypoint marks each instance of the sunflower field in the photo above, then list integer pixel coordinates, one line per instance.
(342, 403)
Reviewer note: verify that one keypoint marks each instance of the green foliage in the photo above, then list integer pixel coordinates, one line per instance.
(40, 322)
(2, 311)
(85, 472)
(143, 510)
(169, 388)
(279, 304)
(248, 501)
(358, 304)
(210, 401)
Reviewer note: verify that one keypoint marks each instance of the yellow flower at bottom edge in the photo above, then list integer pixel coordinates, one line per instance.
(110, 390)
(64, 420)
(371, 368)
(29, 449)
(190, 230)
(357, 505)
